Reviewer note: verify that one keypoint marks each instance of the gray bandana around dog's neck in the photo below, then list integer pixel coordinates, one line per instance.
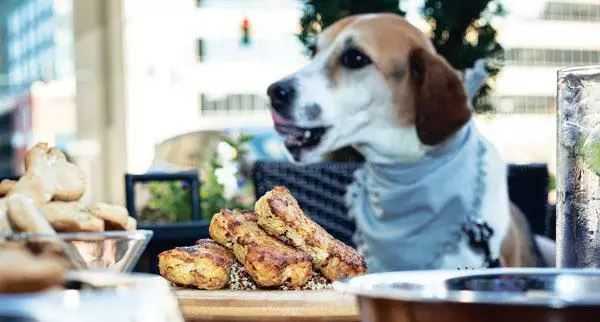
(409, 215)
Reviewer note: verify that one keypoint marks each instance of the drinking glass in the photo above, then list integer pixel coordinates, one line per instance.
(578, 168)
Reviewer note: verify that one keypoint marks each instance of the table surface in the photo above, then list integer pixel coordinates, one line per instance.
(230, 305)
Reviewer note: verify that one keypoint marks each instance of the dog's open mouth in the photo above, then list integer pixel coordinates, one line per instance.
(298, 138)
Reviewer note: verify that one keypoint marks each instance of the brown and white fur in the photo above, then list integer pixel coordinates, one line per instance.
(403, 100)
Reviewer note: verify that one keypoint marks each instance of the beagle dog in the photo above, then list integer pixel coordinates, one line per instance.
(376, 83)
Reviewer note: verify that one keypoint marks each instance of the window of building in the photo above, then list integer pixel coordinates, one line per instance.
(32, 68)
(23, 16)
(14, 51)
(35, 69)
(47, 64)
(26, 71)
(31, 11)
(45, 31)
(200, 50)
(38, 6)
(12, 78)
(44, 6)
(232, 104)
(32, 39)
(551, 57)
(14, 23)
(24, 43)
(41, 33)
(18, 75)
(572, 11)
(524, 104)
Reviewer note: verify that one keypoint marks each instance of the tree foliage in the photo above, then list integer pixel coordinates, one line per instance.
(319, 14)
(461, 32)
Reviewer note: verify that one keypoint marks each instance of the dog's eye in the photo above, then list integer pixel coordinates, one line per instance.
(354, 59)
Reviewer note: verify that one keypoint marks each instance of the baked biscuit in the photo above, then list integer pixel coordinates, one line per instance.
(21, 272)
(205, 265)
(219, 229)
(61, 179)
(131, 224)
(5, 227)
(114, 217)
(31, 186)
(68, 217)
(6, 187)
(279, 214)
(270, 262)
(25, 216)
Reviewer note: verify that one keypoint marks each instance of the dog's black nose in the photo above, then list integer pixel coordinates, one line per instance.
(282, 94)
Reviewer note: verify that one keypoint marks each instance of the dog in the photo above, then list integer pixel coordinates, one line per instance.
(433, 192)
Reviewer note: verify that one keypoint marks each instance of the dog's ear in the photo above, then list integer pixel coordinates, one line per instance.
(441, 106)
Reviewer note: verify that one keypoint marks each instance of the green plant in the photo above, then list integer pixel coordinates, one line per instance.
(171, 201)
(212, 192)
(552, 182)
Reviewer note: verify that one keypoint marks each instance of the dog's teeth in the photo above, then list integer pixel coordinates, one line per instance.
(307, 134)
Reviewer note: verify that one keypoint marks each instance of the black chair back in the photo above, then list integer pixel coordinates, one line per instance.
(167, 235)
(320, 189)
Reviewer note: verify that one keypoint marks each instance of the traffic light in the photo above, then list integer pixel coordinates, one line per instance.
(246, 32)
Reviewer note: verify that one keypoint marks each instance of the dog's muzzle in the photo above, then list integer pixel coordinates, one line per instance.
(283, 95)
(297, 137)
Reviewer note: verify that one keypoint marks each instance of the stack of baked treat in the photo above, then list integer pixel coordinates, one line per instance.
(46, 200)
(276, 246)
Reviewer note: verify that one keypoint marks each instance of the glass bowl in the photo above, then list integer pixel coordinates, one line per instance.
(114, 250)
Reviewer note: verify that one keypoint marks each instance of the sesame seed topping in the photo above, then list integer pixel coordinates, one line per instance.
(239, 279)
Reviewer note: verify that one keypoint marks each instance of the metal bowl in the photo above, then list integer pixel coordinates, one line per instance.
(96, 296)
(531, 295)
(114, 250)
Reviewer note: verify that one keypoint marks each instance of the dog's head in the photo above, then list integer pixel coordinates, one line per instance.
(375, 83)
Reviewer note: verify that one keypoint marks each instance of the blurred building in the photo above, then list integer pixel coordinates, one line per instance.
(38, 41)
(539, 37)
(37, 86)
(150, 70)
(205, 67)
(557, 33)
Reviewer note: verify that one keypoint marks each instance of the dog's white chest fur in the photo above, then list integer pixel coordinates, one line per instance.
(411, 217)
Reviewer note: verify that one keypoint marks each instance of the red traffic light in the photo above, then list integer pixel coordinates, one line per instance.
(246, 32)
(246, 24)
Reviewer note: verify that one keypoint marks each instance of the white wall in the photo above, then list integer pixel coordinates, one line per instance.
(549, 34)
(522, 138)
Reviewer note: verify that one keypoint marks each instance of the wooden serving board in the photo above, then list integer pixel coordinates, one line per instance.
(251, 306)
